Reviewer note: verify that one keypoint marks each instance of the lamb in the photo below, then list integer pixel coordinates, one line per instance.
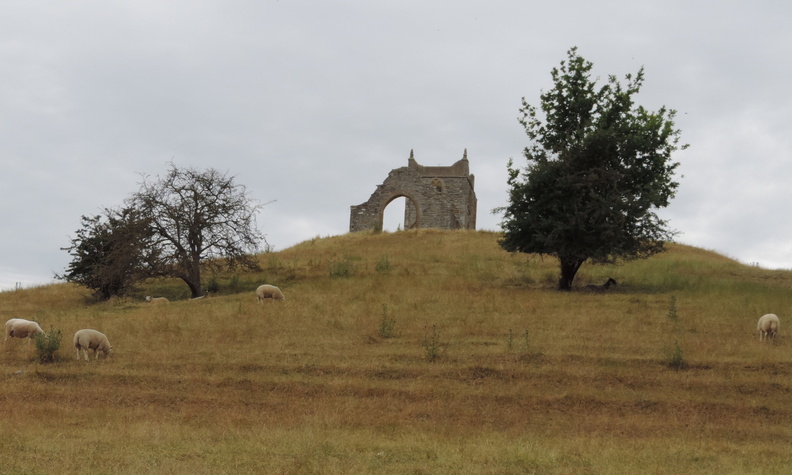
(267, 291)
(206, 294)
(603, 287)
(92, 340)
(768, 326)
(21, 328)
(151, 299)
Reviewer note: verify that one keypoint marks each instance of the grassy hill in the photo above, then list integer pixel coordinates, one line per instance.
(412, 352)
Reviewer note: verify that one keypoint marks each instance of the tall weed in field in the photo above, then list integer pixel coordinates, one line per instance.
(672, 309)
(387, 327)
(432, 345)
(674, 357)
(526, 352)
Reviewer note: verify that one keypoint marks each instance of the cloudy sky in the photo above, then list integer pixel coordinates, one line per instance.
(312, 103)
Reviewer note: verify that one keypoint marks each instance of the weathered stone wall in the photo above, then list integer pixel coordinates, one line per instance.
(436, 197)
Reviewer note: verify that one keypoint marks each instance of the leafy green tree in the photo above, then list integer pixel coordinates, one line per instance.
(198, 219)
(598, 168)
(109, 252)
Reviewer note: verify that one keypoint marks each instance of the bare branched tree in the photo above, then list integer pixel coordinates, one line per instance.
(199, 218)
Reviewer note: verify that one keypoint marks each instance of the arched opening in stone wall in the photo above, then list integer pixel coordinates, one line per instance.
(393, 216)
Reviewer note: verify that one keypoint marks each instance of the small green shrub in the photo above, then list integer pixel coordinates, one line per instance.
(387, 324)
(213, 286)
(47, 345)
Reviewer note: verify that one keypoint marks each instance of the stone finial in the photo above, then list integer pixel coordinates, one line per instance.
(464, 155)
(411, 161)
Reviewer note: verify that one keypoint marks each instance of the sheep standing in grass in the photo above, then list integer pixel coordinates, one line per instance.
(206, 294)
(603, 287)
(768, 326)
(91, 340)
(267, 291)
(151, 299)
(21, 328)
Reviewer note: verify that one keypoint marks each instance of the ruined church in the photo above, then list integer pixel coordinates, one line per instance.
(435, 197)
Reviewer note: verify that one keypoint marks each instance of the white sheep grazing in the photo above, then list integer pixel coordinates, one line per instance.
(21, 328)
(91, 340)
(768, 326)
(267, 291)
(151, 299)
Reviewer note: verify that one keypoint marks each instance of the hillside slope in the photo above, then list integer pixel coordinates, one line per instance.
(427, 351)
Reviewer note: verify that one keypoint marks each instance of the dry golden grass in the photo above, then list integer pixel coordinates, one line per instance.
(527, 379)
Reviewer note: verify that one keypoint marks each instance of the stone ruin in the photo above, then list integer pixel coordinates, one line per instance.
(435, 197)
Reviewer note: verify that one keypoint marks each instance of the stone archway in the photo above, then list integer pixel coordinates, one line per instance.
(437, 197)
(396, 207)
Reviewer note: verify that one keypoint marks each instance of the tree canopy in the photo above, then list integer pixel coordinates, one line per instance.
(109, 252)
(598, 168)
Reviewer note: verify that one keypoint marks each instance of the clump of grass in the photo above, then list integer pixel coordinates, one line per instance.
(383, 265)
(341, 269)
(675, 359)
(387, 328)
(433, 346)
(47, 346)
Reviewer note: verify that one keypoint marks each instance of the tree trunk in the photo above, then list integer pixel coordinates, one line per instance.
(569, 267)
(193, 279)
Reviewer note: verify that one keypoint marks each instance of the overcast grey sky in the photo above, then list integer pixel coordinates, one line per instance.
(312, 103)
